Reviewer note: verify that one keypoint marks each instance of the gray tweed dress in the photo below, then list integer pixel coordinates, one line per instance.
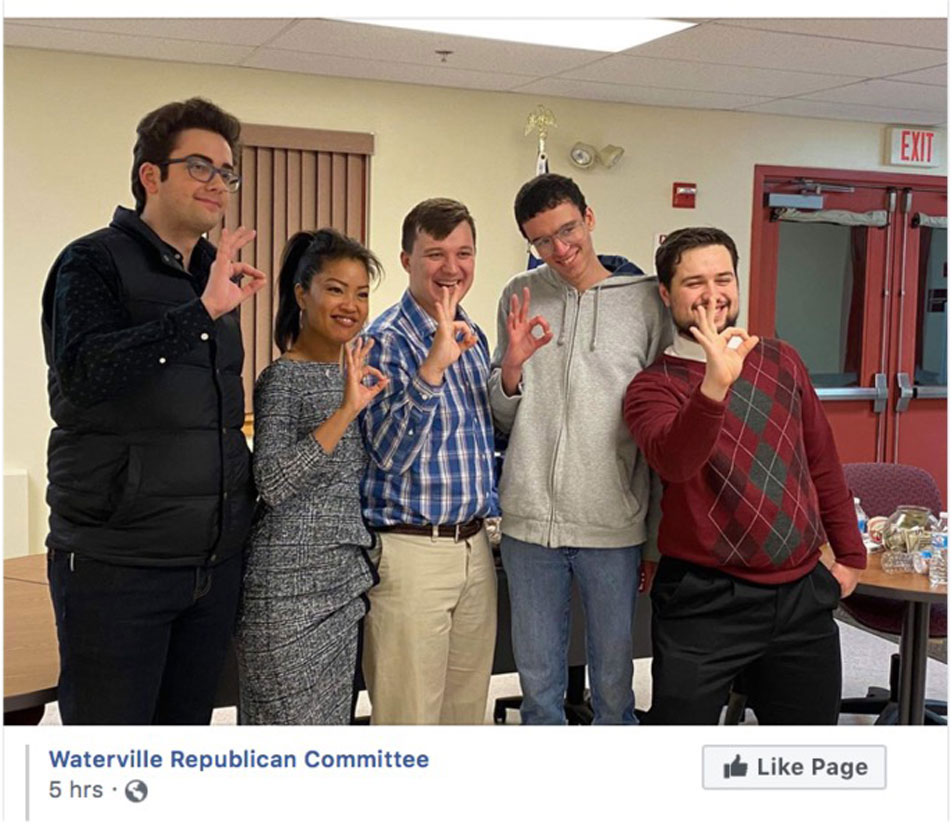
(306, 567)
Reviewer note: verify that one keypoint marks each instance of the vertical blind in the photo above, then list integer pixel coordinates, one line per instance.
(292, 180)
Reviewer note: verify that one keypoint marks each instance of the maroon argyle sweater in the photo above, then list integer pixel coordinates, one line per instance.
(752, 485)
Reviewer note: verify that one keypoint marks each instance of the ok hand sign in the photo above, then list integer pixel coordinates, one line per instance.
(221, 293)
(358, 394)
(725, 357)
(522, 342)
(452, 338)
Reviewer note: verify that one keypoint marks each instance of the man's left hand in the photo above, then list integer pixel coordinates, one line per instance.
(646, 576)
(847, 576)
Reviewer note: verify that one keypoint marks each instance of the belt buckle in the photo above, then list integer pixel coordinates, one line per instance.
(456, 532)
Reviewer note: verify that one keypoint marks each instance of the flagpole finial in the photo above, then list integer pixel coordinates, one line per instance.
(540, 120)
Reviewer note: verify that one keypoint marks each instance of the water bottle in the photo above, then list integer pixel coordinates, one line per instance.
(860, 516)
(939, 563)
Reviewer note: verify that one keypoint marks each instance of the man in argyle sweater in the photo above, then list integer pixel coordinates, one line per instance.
(752, 488)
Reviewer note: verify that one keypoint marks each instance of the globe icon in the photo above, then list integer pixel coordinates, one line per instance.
(136, 791)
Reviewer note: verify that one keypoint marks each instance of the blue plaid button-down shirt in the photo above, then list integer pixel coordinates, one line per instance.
(431, 447)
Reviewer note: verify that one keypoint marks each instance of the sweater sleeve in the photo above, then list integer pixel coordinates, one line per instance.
(676, 432)
(833, 494)
(284, 462)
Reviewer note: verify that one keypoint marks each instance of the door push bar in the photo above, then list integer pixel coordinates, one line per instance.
(878, 393)
(908, 391)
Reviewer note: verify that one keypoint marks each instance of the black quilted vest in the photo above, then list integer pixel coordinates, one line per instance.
(160, 476)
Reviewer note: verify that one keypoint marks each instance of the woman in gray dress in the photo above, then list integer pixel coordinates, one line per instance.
(306, 562)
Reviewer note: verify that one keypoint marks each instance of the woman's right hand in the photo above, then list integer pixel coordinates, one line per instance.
(357, 394)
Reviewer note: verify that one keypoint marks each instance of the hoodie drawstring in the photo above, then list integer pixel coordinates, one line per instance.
(598, 291)
(565, 311)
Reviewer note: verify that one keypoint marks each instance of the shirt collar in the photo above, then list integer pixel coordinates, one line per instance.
(202, 255)
(686, 349)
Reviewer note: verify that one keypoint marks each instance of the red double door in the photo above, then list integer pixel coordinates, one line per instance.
(851, 268)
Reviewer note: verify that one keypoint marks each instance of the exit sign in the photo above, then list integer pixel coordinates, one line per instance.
(914, 147)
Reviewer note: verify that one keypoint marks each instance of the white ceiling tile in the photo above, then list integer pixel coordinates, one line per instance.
(736, 46)
(724, 64)
(681, 74)
(234, 31)
(918, 32)
(293, 61)
(841, 111)
(936, 76)
(404, 46)
(565, 87)
(124, 45)
(886, 93)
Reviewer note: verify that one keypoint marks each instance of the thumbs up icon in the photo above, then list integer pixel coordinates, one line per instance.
(736, 768)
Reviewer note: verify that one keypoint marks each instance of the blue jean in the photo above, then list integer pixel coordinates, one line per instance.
(540, 590)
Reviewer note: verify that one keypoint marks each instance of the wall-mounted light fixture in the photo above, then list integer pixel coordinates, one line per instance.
(584, 155)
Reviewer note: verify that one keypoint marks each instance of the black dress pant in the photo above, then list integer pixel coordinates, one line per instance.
(141, 645)
(708, 627)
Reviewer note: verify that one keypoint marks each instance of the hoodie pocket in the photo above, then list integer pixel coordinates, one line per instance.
(624, 486)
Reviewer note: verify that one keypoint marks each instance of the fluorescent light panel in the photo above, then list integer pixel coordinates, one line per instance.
(607, 35)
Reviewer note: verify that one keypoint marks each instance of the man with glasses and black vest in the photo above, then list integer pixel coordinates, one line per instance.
(150, 489)
(574, 490)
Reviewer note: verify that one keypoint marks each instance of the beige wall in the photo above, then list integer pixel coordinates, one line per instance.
(69, 130)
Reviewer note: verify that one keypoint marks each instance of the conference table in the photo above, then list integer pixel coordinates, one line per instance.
(30, 655)
(917, 596)
(31, 660)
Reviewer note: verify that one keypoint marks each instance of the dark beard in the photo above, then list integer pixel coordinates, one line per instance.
(684, 329)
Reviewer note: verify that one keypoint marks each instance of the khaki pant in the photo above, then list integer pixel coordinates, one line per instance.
(431, 631)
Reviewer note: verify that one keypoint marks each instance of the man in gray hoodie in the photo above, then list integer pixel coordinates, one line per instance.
(574, 489)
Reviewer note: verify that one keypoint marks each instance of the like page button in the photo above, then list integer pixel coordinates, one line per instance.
(794, 768)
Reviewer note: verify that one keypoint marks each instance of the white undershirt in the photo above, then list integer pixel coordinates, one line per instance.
(686, 349)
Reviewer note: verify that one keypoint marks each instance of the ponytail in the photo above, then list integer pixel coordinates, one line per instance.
(287, 320)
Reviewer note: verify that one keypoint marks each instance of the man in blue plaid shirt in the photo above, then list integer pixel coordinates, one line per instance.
(430, 632)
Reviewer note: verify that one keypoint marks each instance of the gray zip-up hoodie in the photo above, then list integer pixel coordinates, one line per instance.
(572, 474)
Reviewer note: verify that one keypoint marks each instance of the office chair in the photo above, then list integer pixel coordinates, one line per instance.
(882, 487)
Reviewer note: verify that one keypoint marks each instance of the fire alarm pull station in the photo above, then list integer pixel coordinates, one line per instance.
(683, 195)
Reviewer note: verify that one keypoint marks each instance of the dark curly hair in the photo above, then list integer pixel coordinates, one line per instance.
(545, 192)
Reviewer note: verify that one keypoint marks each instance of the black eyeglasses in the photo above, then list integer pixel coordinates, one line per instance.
(200, 169)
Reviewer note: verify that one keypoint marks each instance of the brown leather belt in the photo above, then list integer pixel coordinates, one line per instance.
(458, 532)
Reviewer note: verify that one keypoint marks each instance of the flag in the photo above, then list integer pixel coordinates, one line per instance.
(542, 167)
